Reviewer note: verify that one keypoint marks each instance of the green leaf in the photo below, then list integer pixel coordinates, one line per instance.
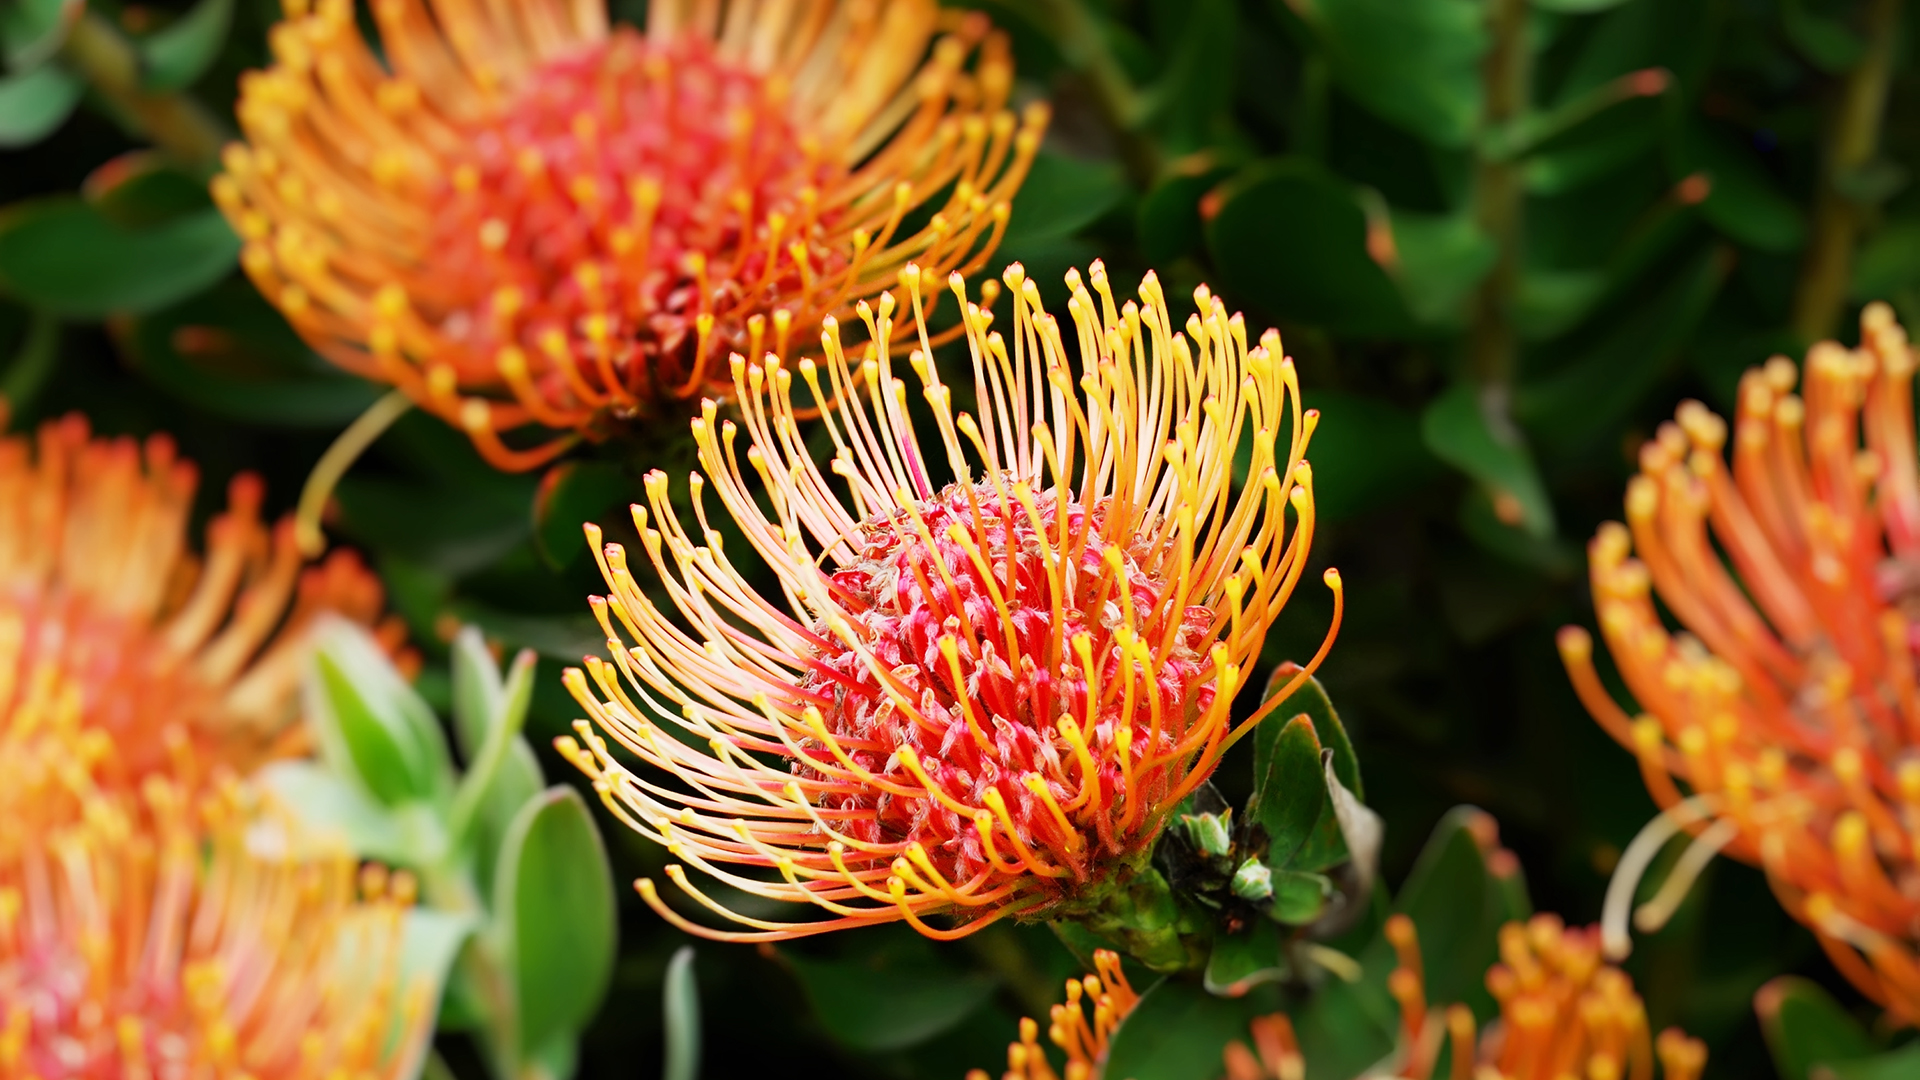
(1176, 1032)
(1291, 238)
(571, 493)
(1324, 846)
(1805, 1027)
(1417, 65)
(1366, 454)
(63, 255)
(680, 1008)
(503, 732)
(141, 188)
(1828, 43)
(34, 361)
(34, 103)
(875, 1004)
(478, 690)
(1240, 962)
(329, 805)
(1299, 898)
(554, 912)
(1901, 1064)
(1061, 196)
(370, 724)
(518, 779)
(1288, 794)
(1742, 201)
(174, 58)
(1456, 429)
(1168, 220)
(429, 943)
(1551, 302)
(1440, 259)
(229, 352)
(1457, 906)
(33, 30)
(1889, 260)
(1576, 7)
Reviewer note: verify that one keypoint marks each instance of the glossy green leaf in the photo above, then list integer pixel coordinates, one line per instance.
(1288, 795)
(1805, 1028)
(1291, 239)
(1366, 454)
(1168, 220)
(142, 188)
(1551, 302)
(680, 1008)
(1061, 196)
(478, 690)
(1299, 898)
(1743, 201)
(1416, 65)
(228, 352)
(571, 493)
(33, 103)
(332, 806)
(1457, 905)
(475, 789)
(1176, 1032)
(553, 907)
(430, 942)
(1457, 430)
(1323, 847)
(1239, 962)
(174, 58)
(1901, 1064)
(1440, 260)
(876, 1005)
(370, 724)
(63, 255)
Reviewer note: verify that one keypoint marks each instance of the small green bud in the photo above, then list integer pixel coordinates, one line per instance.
(1253, 881)
(1211, 833)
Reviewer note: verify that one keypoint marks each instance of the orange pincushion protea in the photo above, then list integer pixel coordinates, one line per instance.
(526, 217)
(180, 663)
(1081, 1037)
(1006, 653)
(1788, 707)
(151, 936)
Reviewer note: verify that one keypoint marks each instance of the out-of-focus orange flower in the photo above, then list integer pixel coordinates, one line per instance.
(1081, 1037)
(1001, 658)
(160, 935)
(521, 216)
(110, 622)
(1787, 707)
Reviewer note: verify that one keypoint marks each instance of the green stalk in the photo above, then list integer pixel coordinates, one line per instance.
(1498, 197)
(176, 123)
(1854, 140)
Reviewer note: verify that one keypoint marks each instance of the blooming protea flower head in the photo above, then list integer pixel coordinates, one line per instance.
(160, 935)
(109, 621)
(1787, 706)
(1080, 1036)
(1001, 653)
(523, 217)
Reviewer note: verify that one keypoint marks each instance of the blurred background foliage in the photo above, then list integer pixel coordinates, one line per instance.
(1502, 238)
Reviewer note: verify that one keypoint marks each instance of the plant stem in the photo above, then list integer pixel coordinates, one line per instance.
(176, 123)
(1854, 141)
(1498, 197)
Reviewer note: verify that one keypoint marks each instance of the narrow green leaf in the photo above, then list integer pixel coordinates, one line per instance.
(1416, 65)
(62, 255)
(370, 724)
(680, 1008)
(1805, 1027)
(329, 805)
(1288, 794)
(1438, 262)
(33, 30)
(478, 691)
(430, 941)
(1240, 962)
(1456, 429)
(142, 188)
(553, 907)
(34, 103)
(32, 363)
(174, 58)
(503, 730)
(1324, 847)
(1061, 196)
(1901, 1064)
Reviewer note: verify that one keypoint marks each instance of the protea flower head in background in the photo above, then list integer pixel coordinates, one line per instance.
(174, 660)
(1079, 1034)
(174, 934)
(1780, 723)
(1005, 651)
(523, 217)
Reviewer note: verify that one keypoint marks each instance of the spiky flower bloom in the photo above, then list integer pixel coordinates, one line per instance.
(162, 935)
(1007, 651)
(1787, 706)
(521, 216)
(1563, 1012)
(180, 662)
(1081, 1037)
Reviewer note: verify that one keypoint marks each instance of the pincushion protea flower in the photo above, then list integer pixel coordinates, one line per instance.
(1081, 1037)
(1788, 706)
(1005, 654)
(180, 663)
(521, 216)
(151, 936)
